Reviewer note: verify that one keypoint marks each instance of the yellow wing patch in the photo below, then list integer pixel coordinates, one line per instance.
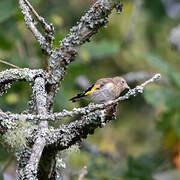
(92, 89)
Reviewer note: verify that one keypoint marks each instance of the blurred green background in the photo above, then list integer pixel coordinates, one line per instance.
(144, 142)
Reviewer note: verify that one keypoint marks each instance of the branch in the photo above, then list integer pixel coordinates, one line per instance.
(135, 77)
(6, 123)
(93, 107)
(94, 117)
(30, 170)
(12, 75)
(67, 135)
(80, 111)
(48, 28)
(88, 25)
(20, 74)
(45, 42)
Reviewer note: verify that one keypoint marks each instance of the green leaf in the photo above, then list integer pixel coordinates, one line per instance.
(163, 97)
(158, 62)
(7, 9)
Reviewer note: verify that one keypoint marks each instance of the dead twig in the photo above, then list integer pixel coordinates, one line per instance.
(9, 64)
(83, 173)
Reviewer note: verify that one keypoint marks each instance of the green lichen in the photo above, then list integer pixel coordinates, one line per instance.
(72, 149)
(16, 137)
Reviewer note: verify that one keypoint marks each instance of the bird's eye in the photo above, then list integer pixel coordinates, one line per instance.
(122, 81)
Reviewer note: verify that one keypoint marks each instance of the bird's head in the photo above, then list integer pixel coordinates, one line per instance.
(121, 83)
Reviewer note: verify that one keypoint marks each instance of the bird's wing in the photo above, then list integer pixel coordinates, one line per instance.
(91, 89)
(85, 93)
(100, 83)
(103, 81)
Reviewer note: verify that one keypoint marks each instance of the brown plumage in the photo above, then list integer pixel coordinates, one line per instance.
(103, 90)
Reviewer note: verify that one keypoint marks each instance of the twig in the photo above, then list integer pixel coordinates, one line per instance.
(80, 111)
(44, 44)
(136, 77)
(94, 117)
(83, 173)
(12, 65)
(48, 28)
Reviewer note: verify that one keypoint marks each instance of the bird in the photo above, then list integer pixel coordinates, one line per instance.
(104, 90)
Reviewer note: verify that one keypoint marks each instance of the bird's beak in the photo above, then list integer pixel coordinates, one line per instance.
(127, 87)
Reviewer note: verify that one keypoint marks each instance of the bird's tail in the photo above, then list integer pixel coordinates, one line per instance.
(77, 97)
(81, 95)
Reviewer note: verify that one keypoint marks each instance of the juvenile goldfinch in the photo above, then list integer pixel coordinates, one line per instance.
(103, 90)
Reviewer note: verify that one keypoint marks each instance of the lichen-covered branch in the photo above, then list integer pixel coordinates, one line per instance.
(45, 42)
(88, 25)
(6, 124)
(20, 74)
(11, 75)
(79, 111)
(94, 117)
(30, 170)
(67, 135)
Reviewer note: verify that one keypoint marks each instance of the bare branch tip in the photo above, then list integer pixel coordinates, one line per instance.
(157, 76)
